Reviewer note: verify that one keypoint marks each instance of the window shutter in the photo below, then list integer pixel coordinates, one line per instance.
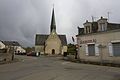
(110, 49)
(86, 49)
(97, 52)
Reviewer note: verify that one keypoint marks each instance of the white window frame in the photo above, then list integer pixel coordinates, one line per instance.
(86, 50)
(115, 41)
(110, 49)
(111, 52)
(97, 50)
(102, 27)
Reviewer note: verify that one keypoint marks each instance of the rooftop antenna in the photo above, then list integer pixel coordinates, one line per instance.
(92, 18)
(108, 15)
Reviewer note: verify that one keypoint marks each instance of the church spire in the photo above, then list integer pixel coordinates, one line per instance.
(53, 24)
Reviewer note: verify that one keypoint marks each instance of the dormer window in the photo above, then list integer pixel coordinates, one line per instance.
(103, 27)
(88, 27)
(102, 24)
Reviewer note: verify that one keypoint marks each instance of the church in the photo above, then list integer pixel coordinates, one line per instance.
(51, 44)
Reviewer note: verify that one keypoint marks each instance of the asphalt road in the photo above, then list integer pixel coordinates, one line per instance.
(52, 68)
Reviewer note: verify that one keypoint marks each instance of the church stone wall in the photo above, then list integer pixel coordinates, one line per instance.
(53, 43)
(56, 45)
(39, 49)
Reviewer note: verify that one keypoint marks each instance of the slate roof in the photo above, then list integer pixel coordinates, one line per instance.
(94, 27)
(41, 38)
(10, 43)
(113, 26)
(63, 39)
(80, 31)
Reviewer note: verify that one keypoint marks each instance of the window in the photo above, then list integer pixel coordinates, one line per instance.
(88, 29)
(92, 49)
(114, 49)
(102, 27)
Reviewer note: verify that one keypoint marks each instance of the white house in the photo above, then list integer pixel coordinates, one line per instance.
(16, 45)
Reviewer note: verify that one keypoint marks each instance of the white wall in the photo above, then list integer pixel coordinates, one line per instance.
(19, 48)
(2, 45)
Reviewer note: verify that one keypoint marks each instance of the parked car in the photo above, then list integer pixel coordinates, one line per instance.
(33, 54)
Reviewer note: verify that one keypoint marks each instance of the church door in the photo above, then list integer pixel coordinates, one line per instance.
(53, 51)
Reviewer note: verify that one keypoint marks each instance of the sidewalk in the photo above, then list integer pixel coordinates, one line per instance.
(7, 62)
(72, 59)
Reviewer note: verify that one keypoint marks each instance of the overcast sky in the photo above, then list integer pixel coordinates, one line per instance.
(20, 20)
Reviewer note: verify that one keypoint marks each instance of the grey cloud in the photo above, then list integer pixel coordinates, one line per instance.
(21, 19)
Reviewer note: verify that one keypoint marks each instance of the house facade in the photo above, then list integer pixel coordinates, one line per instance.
(15, 44)
(53, 43)
(99, 42)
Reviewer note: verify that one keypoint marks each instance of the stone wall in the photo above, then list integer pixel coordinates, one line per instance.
(6, 54)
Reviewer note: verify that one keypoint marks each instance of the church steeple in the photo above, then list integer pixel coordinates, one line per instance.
(53, 24)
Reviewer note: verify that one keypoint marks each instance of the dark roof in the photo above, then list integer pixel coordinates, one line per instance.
(113, 26)
(11, 43)
(41, 38)
(63, 39)
(94, 27)
(80, 31)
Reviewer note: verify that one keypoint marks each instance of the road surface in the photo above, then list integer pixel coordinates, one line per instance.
(52, 68)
